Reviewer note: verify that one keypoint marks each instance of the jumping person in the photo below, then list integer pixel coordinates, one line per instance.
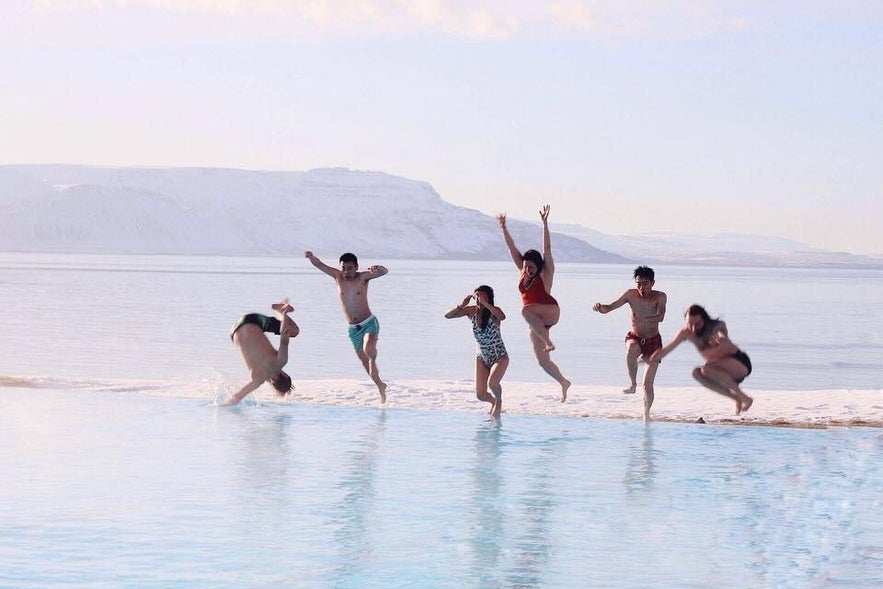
(541, 310)
(491, 360)
(647, 312)
(263, 361)
(364, 328)
(726, 366)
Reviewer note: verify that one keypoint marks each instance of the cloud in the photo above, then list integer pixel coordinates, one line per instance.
(501, 19)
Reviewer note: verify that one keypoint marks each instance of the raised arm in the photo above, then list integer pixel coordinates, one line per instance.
(495, 310)
(604, 309)
(332, 272)
(549, 269)
(375, 272)
(513, 251)
(464, 309)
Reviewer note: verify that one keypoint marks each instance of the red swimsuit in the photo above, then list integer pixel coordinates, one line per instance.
(535, 294)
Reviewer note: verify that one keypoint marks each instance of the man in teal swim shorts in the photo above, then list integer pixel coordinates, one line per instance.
(363, 329)
(358, 331)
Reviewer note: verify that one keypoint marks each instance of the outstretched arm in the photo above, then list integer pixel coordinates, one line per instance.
(513, 251)
(375, 272)
(604, 309)
(332, 272)
(549, 268)
(243, 392)
(664, 351)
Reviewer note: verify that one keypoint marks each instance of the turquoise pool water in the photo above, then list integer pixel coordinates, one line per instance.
(125, 490)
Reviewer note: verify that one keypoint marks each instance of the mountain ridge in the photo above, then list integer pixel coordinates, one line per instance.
(230, 211)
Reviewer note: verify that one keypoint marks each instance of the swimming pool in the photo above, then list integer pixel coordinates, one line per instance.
(125, 490)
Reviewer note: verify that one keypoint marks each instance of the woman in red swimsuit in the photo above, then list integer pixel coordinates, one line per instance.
(541, 310)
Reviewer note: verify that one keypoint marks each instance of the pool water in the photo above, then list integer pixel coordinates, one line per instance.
(125, 490)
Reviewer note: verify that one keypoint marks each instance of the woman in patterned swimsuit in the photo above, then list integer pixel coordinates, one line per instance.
(540, 310)
(491, 360)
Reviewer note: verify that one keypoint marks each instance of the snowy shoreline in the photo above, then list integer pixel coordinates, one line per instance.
(801, 409)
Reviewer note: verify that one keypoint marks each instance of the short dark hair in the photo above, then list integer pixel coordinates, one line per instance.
(349, 257)
(282, 383)
(535, 257)
(645, 272)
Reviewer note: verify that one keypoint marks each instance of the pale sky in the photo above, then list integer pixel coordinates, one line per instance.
(628, 117)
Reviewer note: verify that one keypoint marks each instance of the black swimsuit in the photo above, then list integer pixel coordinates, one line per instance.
(745, 360)
(267, 324)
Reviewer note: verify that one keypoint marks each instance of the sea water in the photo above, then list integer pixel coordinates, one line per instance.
(126, 490)
(161, 317)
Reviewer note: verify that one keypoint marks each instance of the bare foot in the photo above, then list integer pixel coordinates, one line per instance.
(647, 418)
(630, 390)
(498, 408)
(746, 404)
(382, 388)
(564, 388)
(282, 307)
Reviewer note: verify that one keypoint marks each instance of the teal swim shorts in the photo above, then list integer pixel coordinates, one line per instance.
(357, 331)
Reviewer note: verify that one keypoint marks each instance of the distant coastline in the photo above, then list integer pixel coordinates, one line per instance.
(216, 211)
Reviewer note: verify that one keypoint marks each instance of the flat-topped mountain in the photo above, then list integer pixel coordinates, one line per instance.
(239, 212)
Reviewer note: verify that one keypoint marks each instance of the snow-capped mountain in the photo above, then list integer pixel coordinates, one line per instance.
(228, 211)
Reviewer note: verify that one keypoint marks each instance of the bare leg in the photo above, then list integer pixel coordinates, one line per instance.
(368, 355)
(726, 372)
(632, 351)
(546, 364)
(282, 307)
(649, 377)
(289, 327)
(482, 373)
(540, 316)
(724, 384)
(496, 375)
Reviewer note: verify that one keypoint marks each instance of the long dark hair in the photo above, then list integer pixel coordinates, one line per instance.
(535, 257)
(707, 321)
(485, 312)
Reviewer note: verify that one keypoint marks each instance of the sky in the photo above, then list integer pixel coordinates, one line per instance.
(627, 117)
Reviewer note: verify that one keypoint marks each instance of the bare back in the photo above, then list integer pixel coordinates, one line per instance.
(258, 353)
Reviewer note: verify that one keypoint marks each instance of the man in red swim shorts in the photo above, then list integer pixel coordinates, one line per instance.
(648, 311)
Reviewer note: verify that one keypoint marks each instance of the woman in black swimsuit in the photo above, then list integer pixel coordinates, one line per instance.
(725, 364)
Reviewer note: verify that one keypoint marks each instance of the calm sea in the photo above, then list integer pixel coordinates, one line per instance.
(158, 317)
(109, 490)
(125, 490)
